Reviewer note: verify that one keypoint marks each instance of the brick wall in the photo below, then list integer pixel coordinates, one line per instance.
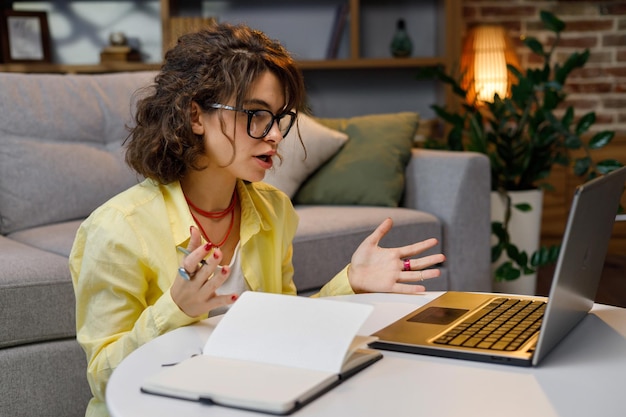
(597, 25)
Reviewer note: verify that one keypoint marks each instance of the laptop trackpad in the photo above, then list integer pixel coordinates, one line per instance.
(438, 315)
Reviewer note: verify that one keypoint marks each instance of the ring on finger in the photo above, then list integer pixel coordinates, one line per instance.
(189, 275)
(186, 275)
(421, 276)
(407, 265)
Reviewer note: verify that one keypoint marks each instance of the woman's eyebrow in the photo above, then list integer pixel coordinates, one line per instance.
(261, 103)
(256, 101)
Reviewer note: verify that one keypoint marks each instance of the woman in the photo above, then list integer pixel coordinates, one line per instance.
(202, 228)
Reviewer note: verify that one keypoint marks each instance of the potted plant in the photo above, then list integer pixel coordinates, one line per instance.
(524, 136)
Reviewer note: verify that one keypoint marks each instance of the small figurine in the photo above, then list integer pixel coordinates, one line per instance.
(401, 45)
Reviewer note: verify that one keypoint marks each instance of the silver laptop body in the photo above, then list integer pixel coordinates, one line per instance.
(574, 286)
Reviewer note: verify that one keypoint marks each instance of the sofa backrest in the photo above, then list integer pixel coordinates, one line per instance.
(60, 144)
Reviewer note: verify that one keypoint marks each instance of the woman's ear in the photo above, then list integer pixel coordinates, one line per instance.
(197, 126)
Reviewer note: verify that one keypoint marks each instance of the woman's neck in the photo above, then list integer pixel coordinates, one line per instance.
(208, 192)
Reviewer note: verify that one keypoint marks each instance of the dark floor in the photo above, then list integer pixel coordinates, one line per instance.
(612, 284)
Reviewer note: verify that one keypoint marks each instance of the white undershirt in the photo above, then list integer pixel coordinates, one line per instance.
(234, 284)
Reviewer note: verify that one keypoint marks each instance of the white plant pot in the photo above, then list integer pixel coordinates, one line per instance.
(524, 231)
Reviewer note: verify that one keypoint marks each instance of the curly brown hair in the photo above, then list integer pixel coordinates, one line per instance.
(210, 66)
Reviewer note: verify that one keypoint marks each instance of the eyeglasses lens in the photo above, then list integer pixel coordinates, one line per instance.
(261, 122)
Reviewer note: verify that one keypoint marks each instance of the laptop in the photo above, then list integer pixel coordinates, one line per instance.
(466, 325)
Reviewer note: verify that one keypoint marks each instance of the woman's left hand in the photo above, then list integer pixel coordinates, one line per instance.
(376, 269)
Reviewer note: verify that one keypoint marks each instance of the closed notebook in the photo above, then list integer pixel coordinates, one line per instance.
(272, 353)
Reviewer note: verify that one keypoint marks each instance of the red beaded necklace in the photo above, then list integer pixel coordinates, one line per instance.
(215, 215)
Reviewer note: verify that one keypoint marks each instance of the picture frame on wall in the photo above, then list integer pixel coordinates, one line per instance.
(24, 37)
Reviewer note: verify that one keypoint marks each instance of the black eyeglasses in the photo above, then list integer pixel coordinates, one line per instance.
(261, 121)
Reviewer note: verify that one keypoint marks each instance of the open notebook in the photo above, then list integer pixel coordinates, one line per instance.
(272, 353)
(520, 330)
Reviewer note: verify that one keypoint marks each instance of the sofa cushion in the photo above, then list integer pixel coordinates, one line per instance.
(320, 142)
(61, 136)
(370, 168)
(56, 238)
(36, 295)
(327, 237)
(44, 182)
(44, 379)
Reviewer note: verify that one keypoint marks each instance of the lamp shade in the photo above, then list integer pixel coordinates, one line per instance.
(487, 50)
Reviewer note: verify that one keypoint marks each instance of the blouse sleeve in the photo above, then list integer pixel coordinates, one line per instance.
(116, 309)
(339, 285)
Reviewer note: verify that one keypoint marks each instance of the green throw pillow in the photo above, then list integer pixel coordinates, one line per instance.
(370, 168)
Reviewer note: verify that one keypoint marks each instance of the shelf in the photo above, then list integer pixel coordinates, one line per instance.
(335, 64)
(370, 63)
(80, 69)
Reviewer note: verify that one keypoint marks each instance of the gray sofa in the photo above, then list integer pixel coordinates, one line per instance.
(60, 157)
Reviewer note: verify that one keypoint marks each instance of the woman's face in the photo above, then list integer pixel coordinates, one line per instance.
(253, 157)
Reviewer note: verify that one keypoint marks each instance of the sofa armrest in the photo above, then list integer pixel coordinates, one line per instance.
(455, 187)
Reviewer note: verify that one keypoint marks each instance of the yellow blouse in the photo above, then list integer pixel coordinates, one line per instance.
(124, 260)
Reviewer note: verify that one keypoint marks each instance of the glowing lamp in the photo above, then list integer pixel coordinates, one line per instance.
(487, 50)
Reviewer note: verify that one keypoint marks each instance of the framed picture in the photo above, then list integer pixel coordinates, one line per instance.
(24, 36)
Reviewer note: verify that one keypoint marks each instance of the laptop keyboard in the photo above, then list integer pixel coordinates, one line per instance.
(504, 324)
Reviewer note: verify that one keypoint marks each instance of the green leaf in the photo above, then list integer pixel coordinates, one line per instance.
(534, 46)
(496, 251)
(525, 207)
(551, 100)
(477, 135)
(438, 72)
(515, 71)
(581, 166)
(601, 139)
(535, 259)
(568, 118)
(544, 256)
(585, 123)
(455, 139)
(572, 142)
(553, 253)
(506, 272)
(575, 60)
(497, 228)
(519, 257)
(452, 118)
(551, 22)
(608, 165)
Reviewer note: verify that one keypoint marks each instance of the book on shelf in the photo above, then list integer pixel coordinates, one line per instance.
(339, 24)
(181, 25)
(119, 53)
(272, 353)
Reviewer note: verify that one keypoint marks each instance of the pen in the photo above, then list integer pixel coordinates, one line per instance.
(202, 261)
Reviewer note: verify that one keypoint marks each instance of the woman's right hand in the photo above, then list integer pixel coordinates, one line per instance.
(197, 296)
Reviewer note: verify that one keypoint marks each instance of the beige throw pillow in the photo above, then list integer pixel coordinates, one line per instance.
(321, 144)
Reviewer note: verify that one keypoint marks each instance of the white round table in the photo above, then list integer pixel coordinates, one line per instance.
(583, 376)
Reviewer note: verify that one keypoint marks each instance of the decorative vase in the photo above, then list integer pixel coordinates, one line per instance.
(401, 45)
(524, 231)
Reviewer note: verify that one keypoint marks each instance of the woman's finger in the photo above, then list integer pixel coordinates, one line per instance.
(417, 248)
(203, 256)
(422, 263)
(407, 288)
(379, 233)
(418, 275)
